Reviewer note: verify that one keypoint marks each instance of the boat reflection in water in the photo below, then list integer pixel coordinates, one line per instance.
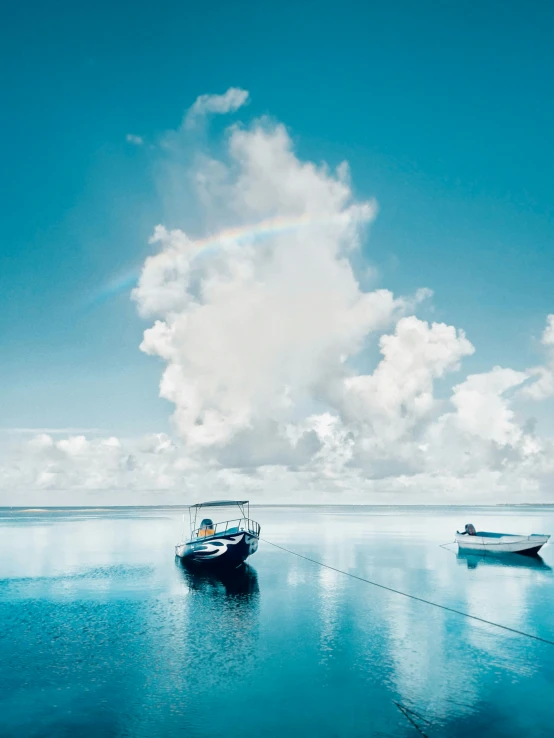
(221, 639)
(242, 581)
(473, 560)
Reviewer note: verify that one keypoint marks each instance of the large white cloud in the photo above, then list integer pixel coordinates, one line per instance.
(264, 329)
(255, 329)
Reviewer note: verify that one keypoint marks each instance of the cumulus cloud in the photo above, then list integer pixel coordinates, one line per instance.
(543, 385)
(548, 333)
(229, 102)
(84, 464)
(290, 380)
(482, 408)
(253, 330)
(133, 139)
(400, 391)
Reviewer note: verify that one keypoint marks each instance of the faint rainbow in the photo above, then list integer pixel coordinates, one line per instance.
(267, 228)
(227, 237)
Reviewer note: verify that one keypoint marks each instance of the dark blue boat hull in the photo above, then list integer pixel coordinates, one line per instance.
(226, 550)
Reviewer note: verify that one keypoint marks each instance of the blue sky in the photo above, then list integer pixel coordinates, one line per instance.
(444, 110)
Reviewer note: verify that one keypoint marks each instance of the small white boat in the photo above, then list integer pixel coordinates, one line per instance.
(496, 543)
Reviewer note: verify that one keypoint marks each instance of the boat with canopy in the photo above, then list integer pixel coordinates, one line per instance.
(226, 543)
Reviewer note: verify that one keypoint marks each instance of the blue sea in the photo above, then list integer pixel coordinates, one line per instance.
(102, 633)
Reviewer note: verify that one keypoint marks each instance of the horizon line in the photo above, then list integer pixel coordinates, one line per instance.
(100, 508)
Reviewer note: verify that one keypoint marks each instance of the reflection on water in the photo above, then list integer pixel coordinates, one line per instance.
(240, 583)
(106, 635)
(510, 560)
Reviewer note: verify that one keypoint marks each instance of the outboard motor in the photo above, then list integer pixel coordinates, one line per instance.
(470, 530)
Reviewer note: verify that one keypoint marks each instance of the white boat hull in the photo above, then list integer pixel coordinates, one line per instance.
(502, 544)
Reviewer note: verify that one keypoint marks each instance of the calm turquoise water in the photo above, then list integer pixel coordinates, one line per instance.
(102, 634)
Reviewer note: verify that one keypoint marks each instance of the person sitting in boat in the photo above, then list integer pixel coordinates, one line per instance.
(206, 528)
(469, 531)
